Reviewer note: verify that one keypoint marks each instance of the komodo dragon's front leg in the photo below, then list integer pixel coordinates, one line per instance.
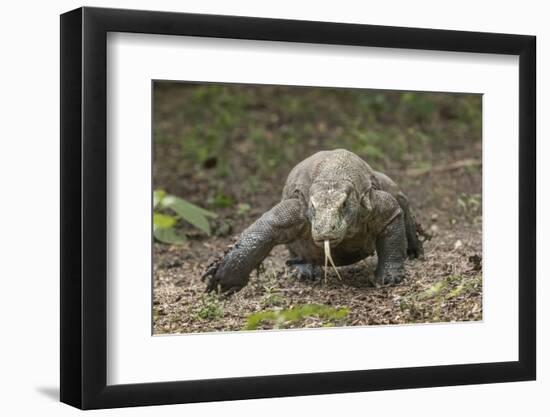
(391, 238)
(391, 246)
(282, 224)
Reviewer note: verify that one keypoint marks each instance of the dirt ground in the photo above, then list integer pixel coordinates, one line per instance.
(444, 286)
(219, 147)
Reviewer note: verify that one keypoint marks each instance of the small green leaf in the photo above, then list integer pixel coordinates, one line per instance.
(158, 196)
(168, 236)
(434, 290)
(189, 212)
(221, 200)
(243, 208)
(163, 221)
(172, 202)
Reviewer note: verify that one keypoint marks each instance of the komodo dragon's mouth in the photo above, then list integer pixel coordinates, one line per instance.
(328, 258)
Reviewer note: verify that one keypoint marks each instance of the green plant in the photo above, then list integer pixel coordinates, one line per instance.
(271, 297)
(169, 209)
(470, 206)
(294, 315)
(469, 203)
(243, 208)
(426, 305)
(211, 307)
(221, 200)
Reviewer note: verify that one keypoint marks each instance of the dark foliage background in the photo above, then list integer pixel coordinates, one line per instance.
(239, 139)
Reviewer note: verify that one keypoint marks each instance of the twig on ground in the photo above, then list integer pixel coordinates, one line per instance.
(414, 172)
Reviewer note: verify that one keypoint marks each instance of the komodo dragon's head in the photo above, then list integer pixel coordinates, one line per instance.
(334, 209)
(333, 212)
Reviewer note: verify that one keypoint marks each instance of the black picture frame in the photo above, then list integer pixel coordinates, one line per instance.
(84, 207)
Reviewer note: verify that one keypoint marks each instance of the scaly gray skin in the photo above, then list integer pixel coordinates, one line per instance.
(335, 196)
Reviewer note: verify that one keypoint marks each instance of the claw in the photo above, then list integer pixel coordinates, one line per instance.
(304, 272)
(390, 275)
(415, 253)
(209, 275)
(421, 232)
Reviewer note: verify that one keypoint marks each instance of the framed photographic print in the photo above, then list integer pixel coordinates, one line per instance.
(257, 207)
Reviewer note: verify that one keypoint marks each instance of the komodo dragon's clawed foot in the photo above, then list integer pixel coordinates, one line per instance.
(415, 252)
(390, 274)
(303, 271)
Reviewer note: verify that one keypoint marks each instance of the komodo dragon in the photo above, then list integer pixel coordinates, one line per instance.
(334, 207)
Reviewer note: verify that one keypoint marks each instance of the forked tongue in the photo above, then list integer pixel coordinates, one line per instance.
(329, 258)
